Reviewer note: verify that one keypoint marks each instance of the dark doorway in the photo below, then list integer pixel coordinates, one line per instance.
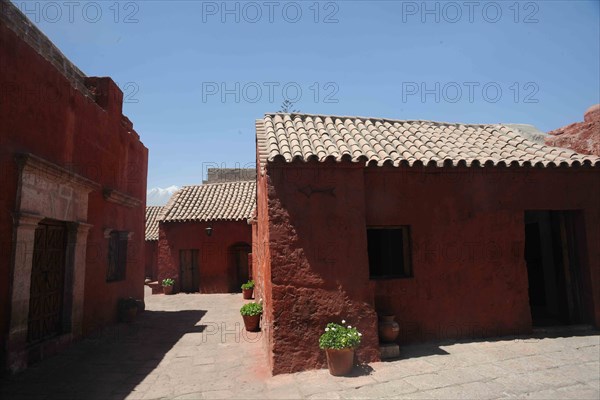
(238, 254)
(555, 256)
(189, 270)
(47, 281)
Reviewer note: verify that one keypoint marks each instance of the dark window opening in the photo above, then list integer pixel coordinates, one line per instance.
(389, 252)
(117, 256)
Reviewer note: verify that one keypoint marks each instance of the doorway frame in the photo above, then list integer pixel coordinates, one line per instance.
(578, 253)
(233, 253)
(46, 191)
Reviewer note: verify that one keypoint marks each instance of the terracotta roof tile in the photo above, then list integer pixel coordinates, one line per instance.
(152, 214)
(376, 141)
(230, 201)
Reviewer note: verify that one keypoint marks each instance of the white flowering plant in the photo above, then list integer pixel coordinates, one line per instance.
(339, 337)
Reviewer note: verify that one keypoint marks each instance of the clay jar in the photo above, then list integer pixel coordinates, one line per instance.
(388, 328)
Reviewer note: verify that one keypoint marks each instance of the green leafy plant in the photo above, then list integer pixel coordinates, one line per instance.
(168, 282)
(339, 337)
(248, 285)
(251, 309)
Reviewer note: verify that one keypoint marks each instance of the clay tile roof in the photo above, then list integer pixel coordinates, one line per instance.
(377, 141)
(230, 201)
(152, 213)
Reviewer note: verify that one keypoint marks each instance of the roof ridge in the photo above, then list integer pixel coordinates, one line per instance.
(388, 119)
(289, 137)
(219, 183)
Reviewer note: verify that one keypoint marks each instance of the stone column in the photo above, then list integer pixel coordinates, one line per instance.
(78, 234)
(24, 240)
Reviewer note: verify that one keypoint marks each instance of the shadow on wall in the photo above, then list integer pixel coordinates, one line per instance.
(110, 364)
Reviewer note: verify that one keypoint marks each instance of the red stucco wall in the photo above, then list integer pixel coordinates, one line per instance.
(100, 296)
(319, 273)
(261, 263)
(151, 259)
(217, 274)
(470, 277)
(43, 114)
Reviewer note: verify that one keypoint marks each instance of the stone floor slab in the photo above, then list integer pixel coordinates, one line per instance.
(193, 347)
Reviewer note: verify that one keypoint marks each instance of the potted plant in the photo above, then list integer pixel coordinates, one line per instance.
(251, 313)
(167, 285)
(247, 289)
(339, 343)
(128, 309)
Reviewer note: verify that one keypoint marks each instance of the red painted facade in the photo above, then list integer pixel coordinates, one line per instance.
(217, 267)
(151, 259)
(467, 229)
(75, 123)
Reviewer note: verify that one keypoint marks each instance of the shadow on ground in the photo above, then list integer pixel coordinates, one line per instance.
(109, 364)
(416, 350)
(360, 370)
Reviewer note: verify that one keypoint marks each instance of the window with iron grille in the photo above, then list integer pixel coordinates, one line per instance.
(117, 256)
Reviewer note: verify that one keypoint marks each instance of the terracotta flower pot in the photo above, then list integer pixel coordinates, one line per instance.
(388, 328)
(252, 322)
(340, 362)
(247, 293)
(168, 289)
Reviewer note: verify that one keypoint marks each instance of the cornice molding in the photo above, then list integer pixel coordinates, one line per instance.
(55, 172)
(114, 196)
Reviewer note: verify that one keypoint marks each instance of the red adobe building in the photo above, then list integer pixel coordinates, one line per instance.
(205, 237)
(151, 242)
(72, 200)
(458, 230)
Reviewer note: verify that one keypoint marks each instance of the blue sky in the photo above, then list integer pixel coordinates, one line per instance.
(197, 74)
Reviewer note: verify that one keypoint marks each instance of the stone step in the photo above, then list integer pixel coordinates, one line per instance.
(389, 351)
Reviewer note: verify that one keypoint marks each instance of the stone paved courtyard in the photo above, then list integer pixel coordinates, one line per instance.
(187, 347)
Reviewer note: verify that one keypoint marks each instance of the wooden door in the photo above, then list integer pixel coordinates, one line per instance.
(189, 270)
(47, 281)
(239, 255)
(555, 255)
(572, 253)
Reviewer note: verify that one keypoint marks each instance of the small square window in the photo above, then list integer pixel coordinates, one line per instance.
(117, 256)
(389, 252)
